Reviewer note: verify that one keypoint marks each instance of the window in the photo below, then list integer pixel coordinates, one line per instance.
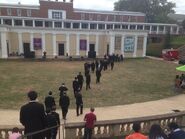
(0, 21)
(147, 27)
(109, 26)
(18, 12)
(124, 26)
(154, 28)
(107, 18)
(117, 26)
(90, 16)
(117, 42)
(129, 44)
(161, 28)
(28, 23)
(67, 25)
(28, 12)
(139, 27)
(38, 23)
(101, 26)
(76, 25)
(48, 24)
(121, 18)
(84, 25)
(98, 17)
(57, 15)
(132, 27)
(58, 24)
(9, 11)
(93, 26)
(18, 22)
(82, 16)
(114, 17)
(7, 21)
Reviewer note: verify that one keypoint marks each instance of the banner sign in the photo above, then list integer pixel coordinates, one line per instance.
(83, 45)
(129, 44)
(37, 43)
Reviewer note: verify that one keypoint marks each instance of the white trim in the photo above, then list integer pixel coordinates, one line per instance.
(54, 45)
(112, 44)
(67, 44)
(77, 44)
(43, 43)
(4, 51)
(31, 42)
(87, 50)
(18, 6)
(60, 11)
(97, 44)
(135, 47)
(122, 45)
(20, 43)
(144, 45)
(108, 12)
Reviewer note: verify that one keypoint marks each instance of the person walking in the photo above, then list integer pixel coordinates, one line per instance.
(62, 89)
(49, 101)
(79, 103)
(32, 116)
(90, 119)
(64, 103)
(98, 75)
(112, 64)
(75, 86)
(92, 67)
(88, 81)
(80, 80)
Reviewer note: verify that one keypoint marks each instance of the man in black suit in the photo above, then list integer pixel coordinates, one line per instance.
(98, 75)
(79, 103)
(88, 81)
(64, 102)
(32, 116)
(80, 80)
(75, 85)
(49, 101)
(176, 132)
(62, 89)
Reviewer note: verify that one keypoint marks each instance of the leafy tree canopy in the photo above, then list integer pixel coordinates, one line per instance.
(156, 10)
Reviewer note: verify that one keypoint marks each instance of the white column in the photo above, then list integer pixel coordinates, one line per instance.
(128, 26)
(77, 44)
(87, 50)
(113, 26)
(150, 30)
(54, 45)
(43, 43)
(144, 45)
(4, 50)
(97, 44)
(164, 30)
(89, 27)
(122, 45)
(12, 22)
(135, 47)
(171, 30)
(80, 25)
(53, 24)
(33, 23)
(31, 42)
(20, 43)
(23, 24)
(112, 41)
(177, 31)
(2, 21)
(62, 24)
(157, 29)
(67, 44)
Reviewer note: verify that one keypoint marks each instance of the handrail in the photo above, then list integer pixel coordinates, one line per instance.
(39, 131)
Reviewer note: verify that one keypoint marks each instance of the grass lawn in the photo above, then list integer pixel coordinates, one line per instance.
(134, 80)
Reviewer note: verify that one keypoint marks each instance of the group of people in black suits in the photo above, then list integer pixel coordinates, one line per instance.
(34, 117)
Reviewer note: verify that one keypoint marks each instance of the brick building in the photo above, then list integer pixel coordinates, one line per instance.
(59, 29)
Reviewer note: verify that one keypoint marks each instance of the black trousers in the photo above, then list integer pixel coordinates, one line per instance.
(79, 107)
(64, 112)
(87, 133)
(98, 79)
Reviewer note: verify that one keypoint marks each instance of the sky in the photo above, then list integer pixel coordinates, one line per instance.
(97, 4)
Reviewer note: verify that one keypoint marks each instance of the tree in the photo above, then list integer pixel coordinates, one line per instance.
(155, 10)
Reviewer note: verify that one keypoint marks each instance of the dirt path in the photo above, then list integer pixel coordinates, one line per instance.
(11, 117)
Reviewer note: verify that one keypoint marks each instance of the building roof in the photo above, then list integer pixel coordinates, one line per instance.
(108, 12)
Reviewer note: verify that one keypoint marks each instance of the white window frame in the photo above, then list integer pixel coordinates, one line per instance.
(50, 14)
(28, 12)
(9, 11)
(19, 12)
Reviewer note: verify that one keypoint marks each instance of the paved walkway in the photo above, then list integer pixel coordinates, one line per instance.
(11, 117)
